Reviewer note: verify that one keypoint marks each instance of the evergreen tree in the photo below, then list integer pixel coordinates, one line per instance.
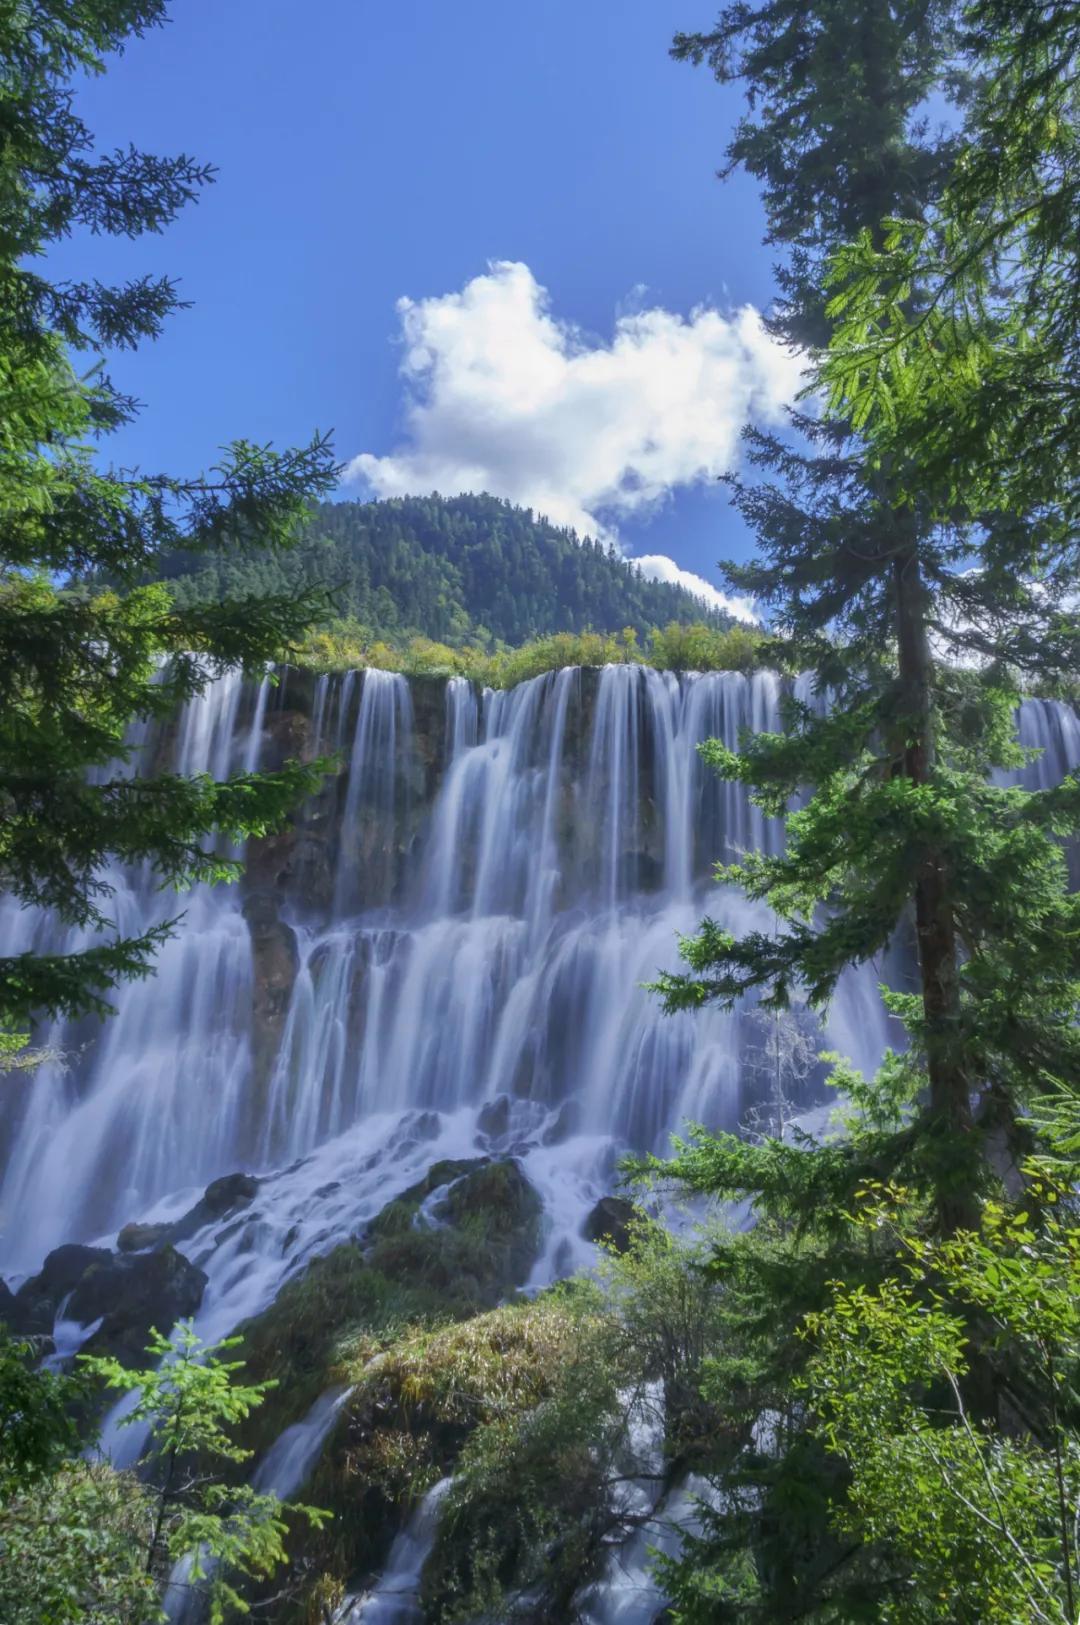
(863, 567)
(971, 390)
(77, 664)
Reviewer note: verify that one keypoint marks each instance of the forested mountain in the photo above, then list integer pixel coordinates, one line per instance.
(453, 568)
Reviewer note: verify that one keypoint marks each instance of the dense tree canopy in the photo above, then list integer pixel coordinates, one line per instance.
(868, 569)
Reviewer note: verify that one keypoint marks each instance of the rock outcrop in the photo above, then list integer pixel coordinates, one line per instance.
(125, 1294)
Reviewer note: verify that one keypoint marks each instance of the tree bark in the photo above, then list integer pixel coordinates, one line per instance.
(949, 1084)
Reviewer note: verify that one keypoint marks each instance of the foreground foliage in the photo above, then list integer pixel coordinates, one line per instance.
(81, 1542)
(984, 1516)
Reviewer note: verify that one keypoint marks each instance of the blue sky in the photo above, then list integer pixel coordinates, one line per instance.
(375, 150)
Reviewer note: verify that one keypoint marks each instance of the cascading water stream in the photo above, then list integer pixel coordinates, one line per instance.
(125, 1117)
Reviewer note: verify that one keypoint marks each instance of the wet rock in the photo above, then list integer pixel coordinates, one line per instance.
(275, 961)
(494, 1118)
(138, 1238)
(500, 1200)
(477, 1241)
(398, 1214)
(127, 1292)
(131, 1295)
(498, 1188)
(611, 1221)
(37, 1301)
(65, 1267)
(32, 1317)
(232, 1190)
(32, 1312)
(221, 1196)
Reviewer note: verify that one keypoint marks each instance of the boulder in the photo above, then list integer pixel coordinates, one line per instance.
(611, 1221)
(501, 1202)
(494, 1117)
(135, 1294)
(221, 1197)
(127, 1292)
(31, 1312)
(499, 1191)
(14, 1316)
(231, 1190)
(477, 1242)
(399, 1214)
(34, 1308)
(65, 1267)
(138, 1238)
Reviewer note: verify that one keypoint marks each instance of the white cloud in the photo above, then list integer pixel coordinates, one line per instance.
(660, 568)
(504, 397)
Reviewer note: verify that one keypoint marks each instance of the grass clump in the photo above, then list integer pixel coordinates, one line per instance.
(438, 1385)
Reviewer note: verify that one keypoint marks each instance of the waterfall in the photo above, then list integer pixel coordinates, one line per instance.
(151, 1099)
(467, 912)
(395, 1597)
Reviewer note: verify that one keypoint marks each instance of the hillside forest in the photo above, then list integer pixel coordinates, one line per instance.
(461, 570)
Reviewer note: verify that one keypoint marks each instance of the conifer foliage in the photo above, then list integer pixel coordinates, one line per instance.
(870, 570)
(77, 665)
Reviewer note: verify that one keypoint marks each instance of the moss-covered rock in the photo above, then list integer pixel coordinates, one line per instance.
(477, 1245)
(611, 1222)
(480, 1241)
(400, 1214)
(338, 1308)
(373, 1310)
(414, 1407)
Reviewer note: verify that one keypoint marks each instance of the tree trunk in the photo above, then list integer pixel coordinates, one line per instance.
(950, 1089)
